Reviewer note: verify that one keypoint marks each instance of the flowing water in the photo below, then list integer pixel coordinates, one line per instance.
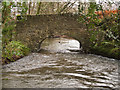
(57, 67)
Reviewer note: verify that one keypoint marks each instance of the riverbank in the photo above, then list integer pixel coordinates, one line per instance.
(69, 45)
(106, 52)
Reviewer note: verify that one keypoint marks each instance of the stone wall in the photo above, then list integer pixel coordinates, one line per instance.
(36, 28)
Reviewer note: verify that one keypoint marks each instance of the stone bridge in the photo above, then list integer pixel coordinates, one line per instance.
(36, 28)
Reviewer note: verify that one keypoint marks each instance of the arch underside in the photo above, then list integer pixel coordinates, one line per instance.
(71, 35)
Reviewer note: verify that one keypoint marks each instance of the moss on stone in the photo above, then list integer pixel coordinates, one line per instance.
(106, 51)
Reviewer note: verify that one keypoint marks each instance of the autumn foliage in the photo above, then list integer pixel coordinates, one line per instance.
(105, 13)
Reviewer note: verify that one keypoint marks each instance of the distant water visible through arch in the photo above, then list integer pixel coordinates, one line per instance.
(65, 45)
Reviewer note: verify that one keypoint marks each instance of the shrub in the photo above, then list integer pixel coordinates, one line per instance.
(115, 52)
(15, 50)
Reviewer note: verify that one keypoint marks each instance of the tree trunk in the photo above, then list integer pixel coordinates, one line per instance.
(29, 7)
(32, 11)
(38, 10)
(79, 8)
(58, 7)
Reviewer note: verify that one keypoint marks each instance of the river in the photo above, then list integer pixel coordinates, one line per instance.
(57, 67)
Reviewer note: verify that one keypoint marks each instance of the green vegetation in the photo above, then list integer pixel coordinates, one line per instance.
(11, 50)
(14, 50)
(103, 29)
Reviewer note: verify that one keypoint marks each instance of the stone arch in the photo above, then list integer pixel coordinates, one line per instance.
(36, 28)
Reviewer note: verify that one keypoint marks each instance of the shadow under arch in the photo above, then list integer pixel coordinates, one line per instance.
(59, 36)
